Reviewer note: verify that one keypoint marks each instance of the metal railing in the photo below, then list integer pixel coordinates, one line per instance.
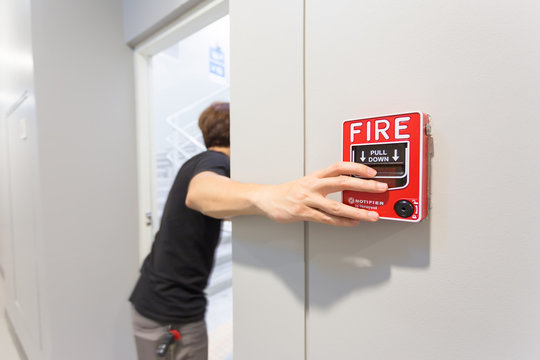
(186, 141)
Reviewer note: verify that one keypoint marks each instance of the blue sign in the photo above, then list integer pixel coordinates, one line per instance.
(217, 61)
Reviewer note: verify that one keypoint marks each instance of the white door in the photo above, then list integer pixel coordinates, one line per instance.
(21, 263)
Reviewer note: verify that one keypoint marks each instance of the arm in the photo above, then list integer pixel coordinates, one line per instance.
(303, 199)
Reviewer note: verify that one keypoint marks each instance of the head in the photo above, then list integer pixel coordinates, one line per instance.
(214, 124)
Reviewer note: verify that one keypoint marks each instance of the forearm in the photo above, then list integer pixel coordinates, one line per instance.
(303, 199)
(220, 197)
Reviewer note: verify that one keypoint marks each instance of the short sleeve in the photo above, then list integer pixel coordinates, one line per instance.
(216, 162)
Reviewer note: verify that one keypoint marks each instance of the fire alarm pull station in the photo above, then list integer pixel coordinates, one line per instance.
(397, 147)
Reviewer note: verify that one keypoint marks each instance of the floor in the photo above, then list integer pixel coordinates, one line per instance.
(7, 347)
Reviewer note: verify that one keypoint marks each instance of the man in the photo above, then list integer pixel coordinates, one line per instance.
(170, 290)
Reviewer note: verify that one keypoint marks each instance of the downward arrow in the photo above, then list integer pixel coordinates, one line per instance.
(395, 157)
(362, 158)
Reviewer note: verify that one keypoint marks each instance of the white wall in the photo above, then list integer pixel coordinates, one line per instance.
(464, 284)
(267, 147)
(72, 192)
(88, 171)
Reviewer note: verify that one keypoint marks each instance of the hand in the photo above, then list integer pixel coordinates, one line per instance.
(305, 199)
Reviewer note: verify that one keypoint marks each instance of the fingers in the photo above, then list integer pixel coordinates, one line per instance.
(334, 184)
(305, 199)
(345, 168)
(338, 210)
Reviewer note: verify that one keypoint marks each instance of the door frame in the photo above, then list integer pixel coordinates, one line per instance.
(187, 24)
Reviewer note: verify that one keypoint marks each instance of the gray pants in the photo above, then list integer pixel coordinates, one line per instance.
(193, 345)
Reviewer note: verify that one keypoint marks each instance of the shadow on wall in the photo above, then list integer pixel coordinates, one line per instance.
(341, 260)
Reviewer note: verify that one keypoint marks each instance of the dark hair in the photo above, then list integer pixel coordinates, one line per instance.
(214, 124)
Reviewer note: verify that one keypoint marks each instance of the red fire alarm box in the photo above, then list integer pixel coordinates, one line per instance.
(397, 147)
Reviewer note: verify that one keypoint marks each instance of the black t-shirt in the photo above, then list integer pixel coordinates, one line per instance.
(174, 275)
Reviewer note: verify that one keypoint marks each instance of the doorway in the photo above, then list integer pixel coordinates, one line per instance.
(178, 74)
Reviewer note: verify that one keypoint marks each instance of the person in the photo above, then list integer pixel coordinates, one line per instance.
(170, 290)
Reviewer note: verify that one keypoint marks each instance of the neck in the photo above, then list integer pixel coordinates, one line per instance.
(222, 149)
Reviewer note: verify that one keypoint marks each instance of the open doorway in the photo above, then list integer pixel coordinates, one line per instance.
(179, 74)
(186, 78)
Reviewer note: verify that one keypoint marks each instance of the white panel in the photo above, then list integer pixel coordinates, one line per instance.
(23, 306)
(267, 147)
(464, 283)
(20, 189)
(87, 166)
